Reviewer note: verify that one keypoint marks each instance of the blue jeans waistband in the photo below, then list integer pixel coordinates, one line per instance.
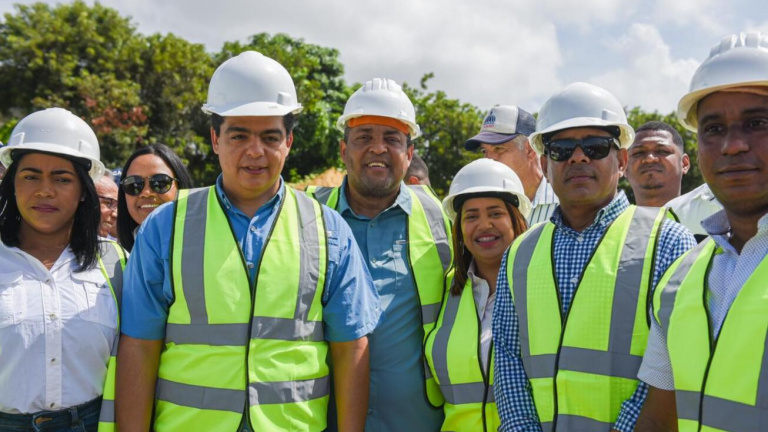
(52, 420)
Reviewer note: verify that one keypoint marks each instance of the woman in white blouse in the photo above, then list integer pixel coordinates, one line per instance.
(488, 207)
(59, 286)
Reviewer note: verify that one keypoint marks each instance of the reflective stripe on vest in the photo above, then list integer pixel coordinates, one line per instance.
(582, 369)
(429, 256)
(453, 353)
(112, 263)
(234, 349)
(720, 384)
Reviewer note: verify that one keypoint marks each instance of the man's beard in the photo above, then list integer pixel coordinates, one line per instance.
(377, 188)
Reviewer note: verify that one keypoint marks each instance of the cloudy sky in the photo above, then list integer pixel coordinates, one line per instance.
(483, 52)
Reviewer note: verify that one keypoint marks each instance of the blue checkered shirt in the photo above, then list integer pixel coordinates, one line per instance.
(572, 251)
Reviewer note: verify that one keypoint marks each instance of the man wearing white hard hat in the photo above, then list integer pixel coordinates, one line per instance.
(504, 138)
(706, 361)
(405, 239)
(571, 320)
(238, 294)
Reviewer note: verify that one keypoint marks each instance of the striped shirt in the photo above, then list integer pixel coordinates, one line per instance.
(572, 250)
(544, 203)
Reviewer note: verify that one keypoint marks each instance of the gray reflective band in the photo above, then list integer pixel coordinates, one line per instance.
(629, 276)
(568, 422)
(309, 267)
(539, 366)
(192, 254)
(440, 345)
(206, 398)
(236, 334)
(599, 362)
(457, 394)
(107, 414)
(667, 300)
(436, 223)
(720, 413)
(430, 312)
(546, 427)
(687, 404)
(520, 284)
(287, 329)
(322, 193)
(288, 391)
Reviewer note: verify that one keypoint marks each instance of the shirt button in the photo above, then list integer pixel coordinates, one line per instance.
(580, 239)
(53, 405)
(52, 316)
(253, 229)
(575, 280)
(53, 360)
(250, 265)
(372, 224)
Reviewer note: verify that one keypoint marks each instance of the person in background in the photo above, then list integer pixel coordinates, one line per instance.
(504, 138)
(657, 163)
(571, 318)
(60, 285)
(106, 189)
(706, 362)
(693, 207)
(488, 206)
(405, 240)
(418, 172)
(152, 175)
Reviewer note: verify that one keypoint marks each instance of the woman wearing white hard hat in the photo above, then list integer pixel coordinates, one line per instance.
(59, 284)
(488, 206)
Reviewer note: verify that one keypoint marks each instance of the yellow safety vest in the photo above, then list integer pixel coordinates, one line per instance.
(453, 354)
(429, 255)
(240, 352)
(112, 263)
(583, 365)
(720, 384)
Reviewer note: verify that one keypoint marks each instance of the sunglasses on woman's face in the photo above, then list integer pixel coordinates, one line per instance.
(594, 147)
(159, 183)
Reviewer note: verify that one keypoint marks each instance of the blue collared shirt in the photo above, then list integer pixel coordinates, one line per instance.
(397, 399)
(572, 251)
(351, 304)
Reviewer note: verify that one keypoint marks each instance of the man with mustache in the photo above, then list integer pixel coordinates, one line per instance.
(706, 362)
(106, 189)
(657, 162)
(571, 320)
(405, 239)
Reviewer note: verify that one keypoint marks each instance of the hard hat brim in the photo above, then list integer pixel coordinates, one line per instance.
(626, 136)
(255, 109)
(524, 207)
(97, 168)
(687, 107)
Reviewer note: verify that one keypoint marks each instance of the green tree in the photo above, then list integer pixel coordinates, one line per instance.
(637, 117)
(445, 125)
(317, 74)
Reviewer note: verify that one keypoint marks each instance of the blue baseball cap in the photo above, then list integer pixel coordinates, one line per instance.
(502, 123)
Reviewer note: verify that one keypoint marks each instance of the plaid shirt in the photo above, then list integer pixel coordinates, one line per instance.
(572, 250)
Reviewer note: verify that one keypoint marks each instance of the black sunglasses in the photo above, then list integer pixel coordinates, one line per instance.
(594, 147)
(159, 183)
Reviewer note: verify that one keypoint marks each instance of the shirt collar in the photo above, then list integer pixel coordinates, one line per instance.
(605, 215)
(719, 229)
(231, 207)
(403, 200)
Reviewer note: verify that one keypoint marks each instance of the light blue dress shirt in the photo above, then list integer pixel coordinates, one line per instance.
(397, 399)
(351, 305)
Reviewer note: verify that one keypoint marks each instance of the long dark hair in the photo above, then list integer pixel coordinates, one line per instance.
(83, 239)
(462, 257)
(125, 223)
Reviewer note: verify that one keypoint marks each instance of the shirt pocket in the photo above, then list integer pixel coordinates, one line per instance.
(12, 299)
(95, 301)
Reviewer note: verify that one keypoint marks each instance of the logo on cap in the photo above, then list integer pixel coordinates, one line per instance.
(490, 121)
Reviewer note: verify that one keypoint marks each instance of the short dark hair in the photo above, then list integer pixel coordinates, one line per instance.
(661, 126)
(289, 122)
(418, 169)
(125, 223)
(83, 240)
(347, 129)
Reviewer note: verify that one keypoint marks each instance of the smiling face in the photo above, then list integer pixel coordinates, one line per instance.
(48, 192)
(106, 189)
(377, 158)
(581, 181)
(486, 228)
(656, 167)
(140, 206)
(733, 150)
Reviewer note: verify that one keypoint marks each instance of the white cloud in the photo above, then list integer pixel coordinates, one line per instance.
(704, 15)
(650, 77)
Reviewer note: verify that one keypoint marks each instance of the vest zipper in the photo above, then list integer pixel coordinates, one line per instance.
(246, 419)
(712, 341)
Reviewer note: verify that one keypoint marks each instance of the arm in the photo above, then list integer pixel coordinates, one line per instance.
(659, 412)
(137, 362)
(350, 379)
(512, 388)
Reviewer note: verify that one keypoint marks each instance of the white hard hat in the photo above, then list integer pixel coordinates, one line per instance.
(383, 98)
(58, 131)
(738, 60)
(251, 84)
(486, 176)
(581, 105)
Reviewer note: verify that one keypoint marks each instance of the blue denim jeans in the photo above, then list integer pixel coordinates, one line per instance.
(81, 418)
